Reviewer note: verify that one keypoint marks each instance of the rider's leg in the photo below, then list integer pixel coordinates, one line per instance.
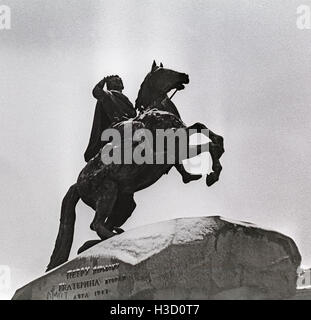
(104, 208)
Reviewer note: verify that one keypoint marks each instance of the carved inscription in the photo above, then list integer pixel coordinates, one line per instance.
(87, 283)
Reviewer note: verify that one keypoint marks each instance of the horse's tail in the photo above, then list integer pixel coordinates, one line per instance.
(66, 228)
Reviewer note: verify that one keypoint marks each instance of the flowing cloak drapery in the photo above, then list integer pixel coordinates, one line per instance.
(112, 107)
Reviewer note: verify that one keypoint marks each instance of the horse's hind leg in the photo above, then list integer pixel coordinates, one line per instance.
(123, 209)
(104, 206)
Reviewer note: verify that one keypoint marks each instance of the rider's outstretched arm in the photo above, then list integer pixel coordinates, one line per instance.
(98, 92)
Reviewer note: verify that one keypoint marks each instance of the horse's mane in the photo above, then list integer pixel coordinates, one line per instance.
(142, 97)
(140, 100)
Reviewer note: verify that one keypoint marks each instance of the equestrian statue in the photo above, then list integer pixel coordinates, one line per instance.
(109, 188)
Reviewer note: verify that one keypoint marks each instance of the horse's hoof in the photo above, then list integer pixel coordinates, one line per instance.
(104, 233)
(118, 230)
(88, 245)
(191, 177)
(211, 179)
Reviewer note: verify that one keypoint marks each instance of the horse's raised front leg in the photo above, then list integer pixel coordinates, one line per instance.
(186, 176)
(189, 151)
(104, 207)
(216, 167)
(215, 148)
(194, 150)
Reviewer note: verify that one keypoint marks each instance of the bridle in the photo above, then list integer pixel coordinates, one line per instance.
(157, 100)
(171, 97)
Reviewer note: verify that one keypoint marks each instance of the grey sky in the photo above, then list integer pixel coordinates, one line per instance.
(250, 75)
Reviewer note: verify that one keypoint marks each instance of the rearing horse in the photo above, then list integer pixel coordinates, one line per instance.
(106, 187)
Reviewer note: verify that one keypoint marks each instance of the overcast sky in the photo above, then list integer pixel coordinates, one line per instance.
(250, 75)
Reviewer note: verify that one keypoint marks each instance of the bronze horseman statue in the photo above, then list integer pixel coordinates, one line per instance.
(109, 188)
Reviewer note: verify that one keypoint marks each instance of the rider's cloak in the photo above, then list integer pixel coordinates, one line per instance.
(112, 107)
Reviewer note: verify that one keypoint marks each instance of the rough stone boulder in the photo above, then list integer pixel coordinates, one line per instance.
(188, 258)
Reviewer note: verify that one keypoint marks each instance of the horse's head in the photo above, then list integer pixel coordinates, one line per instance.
(158, 82)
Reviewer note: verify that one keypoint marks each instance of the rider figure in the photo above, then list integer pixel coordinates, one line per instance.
(112, 107)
